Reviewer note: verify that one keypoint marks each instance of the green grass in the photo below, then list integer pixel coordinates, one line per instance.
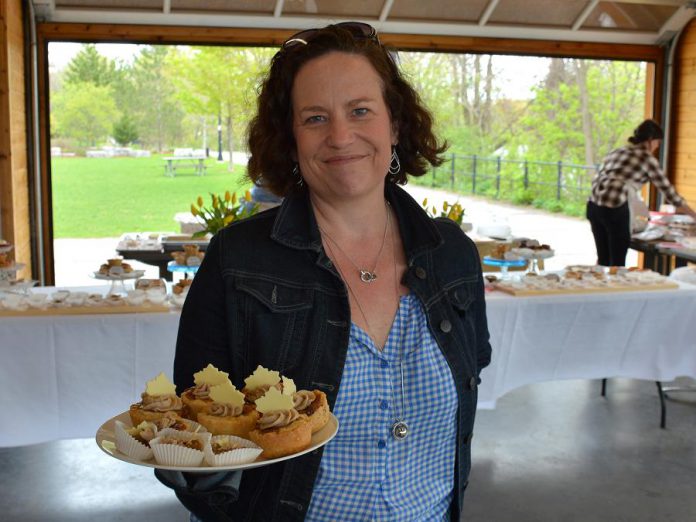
(105, 197)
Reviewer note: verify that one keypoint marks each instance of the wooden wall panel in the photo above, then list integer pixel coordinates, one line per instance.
(683, 143)
(14, 192)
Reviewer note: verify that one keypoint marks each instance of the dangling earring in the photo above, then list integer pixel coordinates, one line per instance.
(296, 173)
(395, 164)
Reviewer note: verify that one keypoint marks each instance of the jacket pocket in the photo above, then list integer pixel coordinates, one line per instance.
(274, 316)
(461, 295)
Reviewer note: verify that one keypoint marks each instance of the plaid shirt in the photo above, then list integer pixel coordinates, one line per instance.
(366, 474)
(632, 164)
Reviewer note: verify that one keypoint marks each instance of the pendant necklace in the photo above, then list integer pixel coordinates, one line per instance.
(366, 276)
(399, 428)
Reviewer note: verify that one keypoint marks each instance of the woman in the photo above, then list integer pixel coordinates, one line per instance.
(347, 287)
(622, 173)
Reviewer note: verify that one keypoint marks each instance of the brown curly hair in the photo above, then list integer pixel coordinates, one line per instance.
(270, 135)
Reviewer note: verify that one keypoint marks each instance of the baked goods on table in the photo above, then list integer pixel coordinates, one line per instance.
(181, 286)
(5, 260)
(190, 256)
(115, 267)
(228, 429)
(586, 279)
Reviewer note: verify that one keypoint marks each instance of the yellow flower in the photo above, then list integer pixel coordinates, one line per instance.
(425, 203)
(247, 195)
(216, 203)
(194, 210)
(234, 198)
(228, 196)
(200, 201)
(228, 219)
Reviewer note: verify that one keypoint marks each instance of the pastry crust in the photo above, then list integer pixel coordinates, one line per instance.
(279, 442)
(193, 405)
(240, 425)
(318, 411)
(138, 415)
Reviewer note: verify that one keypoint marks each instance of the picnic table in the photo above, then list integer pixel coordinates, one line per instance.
(174, 163)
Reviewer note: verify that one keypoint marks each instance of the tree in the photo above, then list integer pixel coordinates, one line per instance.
(85, 112)
(221, 81)
(159, 115)
(125, 130)
(90, 66)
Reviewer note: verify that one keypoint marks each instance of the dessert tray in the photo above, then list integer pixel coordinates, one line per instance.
(135, 274)
(64, 302)
(106, 440)
(585, 280)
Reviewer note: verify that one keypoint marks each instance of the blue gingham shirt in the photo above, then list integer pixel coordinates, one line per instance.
(366, 474)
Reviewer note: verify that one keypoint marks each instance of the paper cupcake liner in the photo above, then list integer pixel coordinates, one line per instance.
(173, 455)
(129, 445)
(193, 427)
(248, 453)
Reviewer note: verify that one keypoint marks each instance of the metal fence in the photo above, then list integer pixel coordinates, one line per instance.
(508, 179)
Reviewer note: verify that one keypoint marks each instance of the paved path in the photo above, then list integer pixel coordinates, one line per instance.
(570, 237)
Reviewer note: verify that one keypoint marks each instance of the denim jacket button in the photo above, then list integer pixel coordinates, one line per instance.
(445, 326)
(472, 383)
(420, 273)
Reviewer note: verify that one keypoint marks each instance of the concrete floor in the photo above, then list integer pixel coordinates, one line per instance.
(549, 452)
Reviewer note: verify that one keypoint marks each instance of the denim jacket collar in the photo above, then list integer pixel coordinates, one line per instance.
(296, 226)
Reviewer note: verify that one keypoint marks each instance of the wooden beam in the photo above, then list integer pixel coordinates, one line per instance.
(412, 42)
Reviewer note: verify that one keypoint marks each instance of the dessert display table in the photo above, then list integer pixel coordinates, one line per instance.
(64, 374)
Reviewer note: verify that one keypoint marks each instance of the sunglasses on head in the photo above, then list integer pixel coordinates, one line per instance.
(359, 30)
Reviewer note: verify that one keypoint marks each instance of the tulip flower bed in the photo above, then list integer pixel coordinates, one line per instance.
(105, 197)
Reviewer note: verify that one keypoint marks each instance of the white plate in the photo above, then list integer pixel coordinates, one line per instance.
(106, 440)
(650, 234)
(135, 274)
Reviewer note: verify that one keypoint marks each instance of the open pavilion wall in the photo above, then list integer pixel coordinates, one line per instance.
(14, 179)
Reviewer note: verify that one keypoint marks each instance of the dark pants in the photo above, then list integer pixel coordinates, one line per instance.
(611, 231)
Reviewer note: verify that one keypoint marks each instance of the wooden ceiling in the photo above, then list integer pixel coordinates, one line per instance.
(650, 22)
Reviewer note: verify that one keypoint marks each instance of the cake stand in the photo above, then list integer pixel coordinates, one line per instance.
(504, 264)
(185, 269)
(533, 256)
(117, 281)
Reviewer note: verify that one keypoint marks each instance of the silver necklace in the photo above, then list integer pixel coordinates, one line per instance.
(399, 428)
(366, 276)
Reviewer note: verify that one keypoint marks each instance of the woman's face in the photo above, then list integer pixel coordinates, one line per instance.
(342, 127)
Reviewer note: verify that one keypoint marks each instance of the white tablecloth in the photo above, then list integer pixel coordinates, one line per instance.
(644, 335)
(63, 376)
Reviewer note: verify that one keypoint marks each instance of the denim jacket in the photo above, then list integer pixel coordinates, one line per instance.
(266, 293)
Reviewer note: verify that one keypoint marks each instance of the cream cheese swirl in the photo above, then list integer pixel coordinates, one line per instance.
(201, 391)
(160, 402)
(303, 399)
(277, 419)
(224, 410)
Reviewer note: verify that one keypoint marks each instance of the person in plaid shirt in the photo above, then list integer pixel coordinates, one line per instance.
(624, 170)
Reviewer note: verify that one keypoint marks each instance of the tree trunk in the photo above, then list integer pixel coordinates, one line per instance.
(230, 141)
(581, 78)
